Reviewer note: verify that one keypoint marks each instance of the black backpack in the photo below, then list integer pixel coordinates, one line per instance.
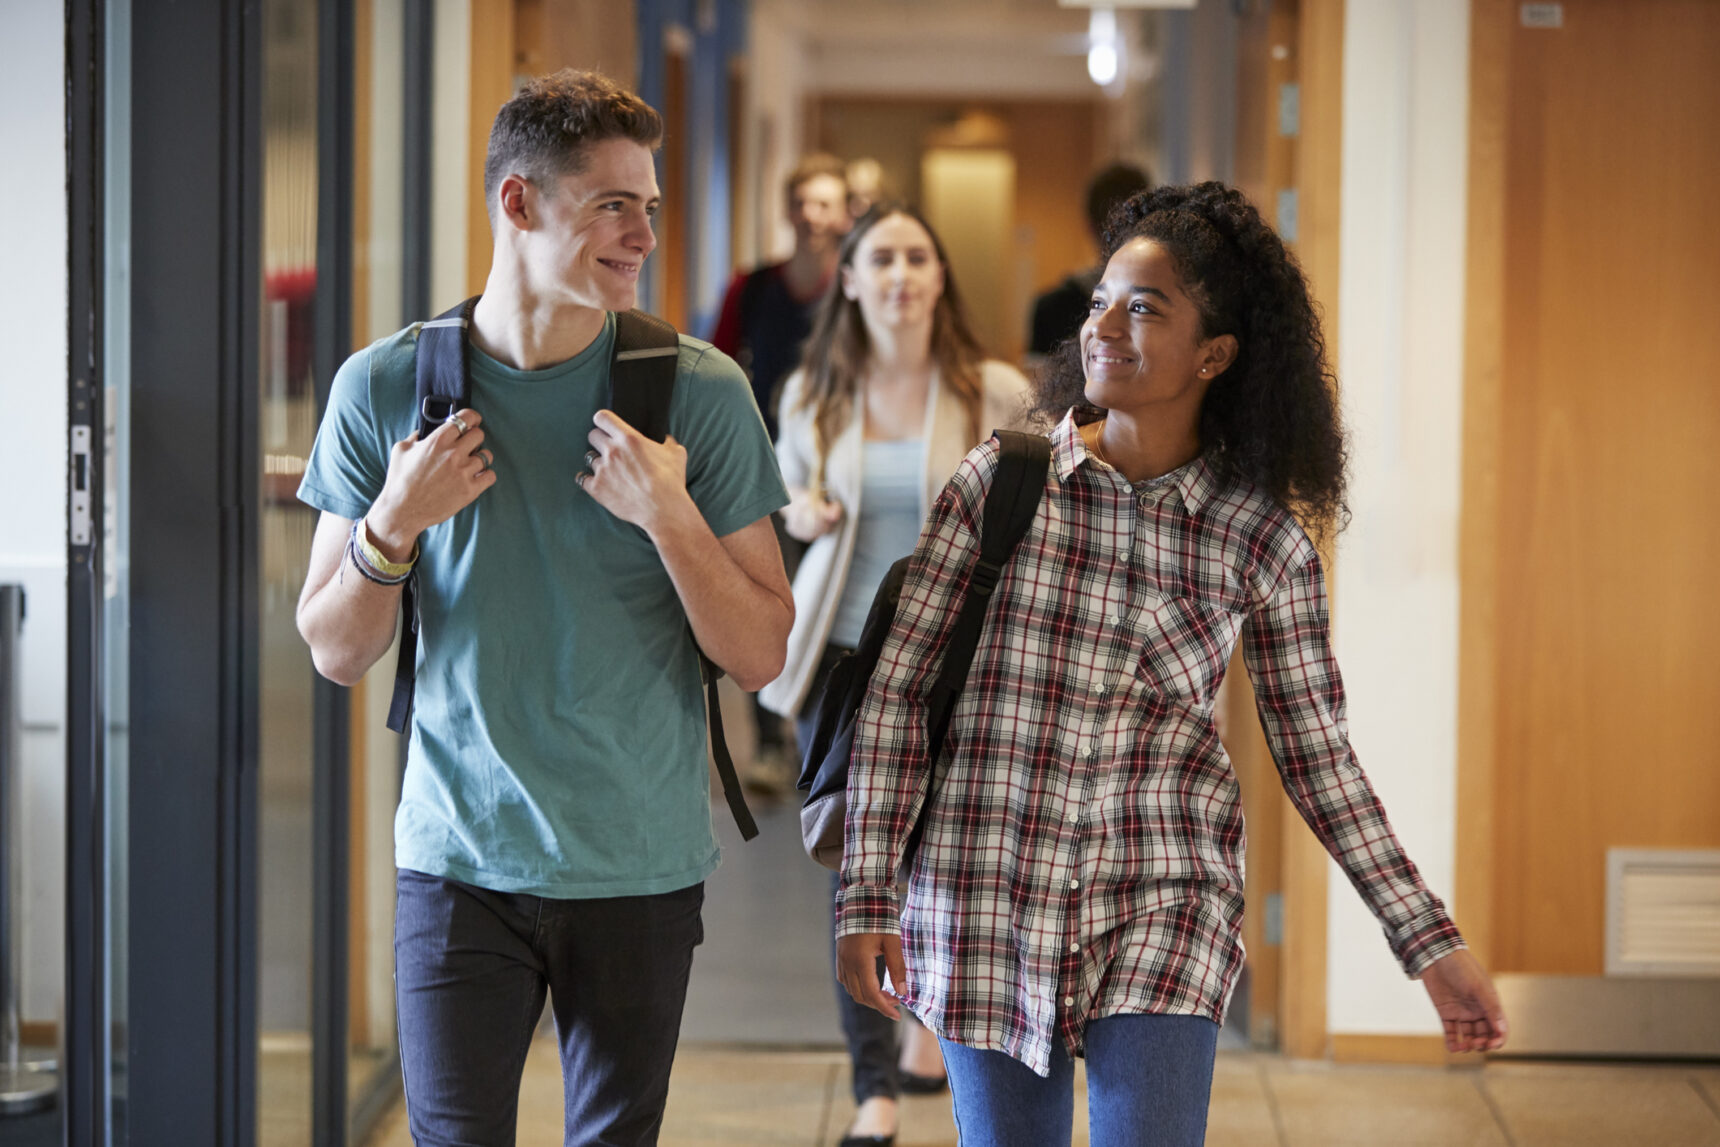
(642, 365)
(1009, 509)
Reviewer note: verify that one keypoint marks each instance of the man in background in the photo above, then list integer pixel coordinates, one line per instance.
(766, 315)
(865, 185)
(1059, 312)
(768, 311)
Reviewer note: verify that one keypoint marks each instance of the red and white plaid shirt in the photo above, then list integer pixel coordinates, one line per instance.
(1083, 854)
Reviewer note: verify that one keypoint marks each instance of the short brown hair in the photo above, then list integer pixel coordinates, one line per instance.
(811, 167)
(543, 132)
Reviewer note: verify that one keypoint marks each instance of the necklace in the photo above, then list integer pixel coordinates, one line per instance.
(1098, 447)
(1145, 484)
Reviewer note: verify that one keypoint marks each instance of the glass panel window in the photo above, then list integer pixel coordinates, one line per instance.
(287, 409)
(116, 546)
(378, 188)
(33, 575)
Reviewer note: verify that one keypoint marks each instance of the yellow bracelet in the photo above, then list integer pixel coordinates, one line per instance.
(379, 563)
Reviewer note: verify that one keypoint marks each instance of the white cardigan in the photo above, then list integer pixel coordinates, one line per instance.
(823, 571)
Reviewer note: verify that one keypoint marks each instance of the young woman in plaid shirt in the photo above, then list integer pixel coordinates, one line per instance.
(1077, 889)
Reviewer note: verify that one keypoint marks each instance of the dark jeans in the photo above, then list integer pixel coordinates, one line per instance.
(471, 968)
(871, 1036)
(1149, 1081)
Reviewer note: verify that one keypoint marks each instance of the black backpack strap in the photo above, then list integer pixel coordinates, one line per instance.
(1022, 464)
(720, 751)
(444, 385)
(444, 380)
(642, 372)
(642, 367)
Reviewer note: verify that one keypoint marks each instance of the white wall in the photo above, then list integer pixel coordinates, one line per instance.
(33, 465)
(1400, 342)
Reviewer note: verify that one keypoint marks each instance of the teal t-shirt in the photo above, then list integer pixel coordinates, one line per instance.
(558, 739)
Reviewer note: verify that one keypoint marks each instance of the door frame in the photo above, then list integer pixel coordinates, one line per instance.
(187, 1043)
(84, 1060)
(196, 216)
(1478, 552)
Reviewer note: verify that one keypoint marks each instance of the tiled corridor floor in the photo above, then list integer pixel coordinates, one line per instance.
(736, 1097)
(761, 982)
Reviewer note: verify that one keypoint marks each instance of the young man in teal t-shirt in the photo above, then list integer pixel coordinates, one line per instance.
(554, 828)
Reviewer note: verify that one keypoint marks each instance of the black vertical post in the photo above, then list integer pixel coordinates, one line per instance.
(331, 830)
(84, 1070)
(419, 66)
(196, 209)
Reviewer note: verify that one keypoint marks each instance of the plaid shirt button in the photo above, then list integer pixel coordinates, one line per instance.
(1068, 1001)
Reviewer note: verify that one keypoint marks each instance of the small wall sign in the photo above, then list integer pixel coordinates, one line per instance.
(1542, 15)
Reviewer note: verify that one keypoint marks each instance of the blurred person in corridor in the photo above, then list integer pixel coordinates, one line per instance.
(865, 185)
(766, 316)
(1059, 312)
(1077, 887)
(892, 392)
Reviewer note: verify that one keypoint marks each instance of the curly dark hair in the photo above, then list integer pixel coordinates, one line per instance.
(1271, 420)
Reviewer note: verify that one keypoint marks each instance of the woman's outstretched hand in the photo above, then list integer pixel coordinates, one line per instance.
(1463, 995)
(857, 968)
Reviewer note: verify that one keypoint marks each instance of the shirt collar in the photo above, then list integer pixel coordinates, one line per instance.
(1068, 450)
(1196, 485)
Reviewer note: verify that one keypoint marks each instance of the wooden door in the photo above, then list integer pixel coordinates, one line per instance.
(1592, 539)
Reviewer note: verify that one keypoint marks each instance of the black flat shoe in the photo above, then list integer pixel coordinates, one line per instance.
(867, 1141)
(913, 1084)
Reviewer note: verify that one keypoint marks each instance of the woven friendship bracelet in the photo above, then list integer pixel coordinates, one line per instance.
(375, 557)
(362, 563)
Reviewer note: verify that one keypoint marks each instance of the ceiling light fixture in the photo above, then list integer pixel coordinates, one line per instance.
(1102, 47)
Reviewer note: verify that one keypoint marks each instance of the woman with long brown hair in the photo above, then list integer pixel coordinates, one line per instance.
(893, 391)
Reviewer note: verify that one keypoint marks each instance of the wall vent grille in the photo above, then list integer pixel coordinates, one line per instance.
(1663, 912)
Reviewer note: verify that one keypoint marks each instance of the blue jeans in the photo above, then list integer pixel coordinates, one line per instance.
(471, 970)
(1149, 1079)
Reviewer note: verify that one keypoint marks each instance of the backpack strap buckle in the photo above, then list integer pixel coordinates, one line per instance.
(438, 408)
(986, 574)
